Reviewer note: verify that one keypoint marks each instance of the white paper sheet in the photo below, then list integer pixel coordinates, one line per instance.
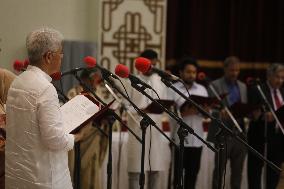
(76, 111)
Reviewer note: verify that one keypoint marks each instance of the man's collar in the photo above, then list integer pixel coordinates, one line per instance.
(38, 70)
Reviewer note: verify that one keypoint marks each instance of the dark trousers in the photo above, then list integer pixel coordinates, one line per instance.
(235, 152)
(255, 165)
(191, 165)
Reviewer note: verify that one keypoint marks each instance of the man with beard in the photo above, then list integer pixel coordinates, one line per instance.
(192, 146)
(234, 150)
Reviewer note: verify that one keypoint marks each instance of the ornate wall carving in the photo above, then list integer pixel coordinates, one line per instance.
(127, 27)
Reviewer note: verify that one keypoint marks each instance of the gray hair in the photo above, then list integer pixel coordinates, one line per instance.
(231, 60)
(42, 40)
(274, 68)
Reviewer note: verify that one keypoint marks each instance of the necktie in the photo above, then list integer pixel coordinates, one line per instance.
(276, 100)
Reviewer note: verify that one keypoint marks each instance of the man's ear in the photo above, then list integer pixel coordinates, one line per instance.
(48, 57)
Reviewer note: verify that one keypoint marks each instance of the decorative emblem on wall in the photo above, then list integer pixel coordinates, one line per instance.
(127, 27)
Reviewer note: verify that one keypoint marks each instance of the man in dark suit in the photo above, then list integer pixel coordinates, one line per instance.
(263, 121)
(234, 150)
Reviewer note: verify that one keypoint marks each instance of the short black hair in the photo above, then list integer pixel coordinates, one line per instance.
(187, 61)
(150, 54)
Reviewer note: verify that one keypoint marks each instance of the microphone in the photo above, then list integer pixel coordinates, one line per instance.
(123, 72)
(91, 63)
(144, 65)
(203, 78)
(26, 62)
(56, 76)
(18, 65)
(72, 71)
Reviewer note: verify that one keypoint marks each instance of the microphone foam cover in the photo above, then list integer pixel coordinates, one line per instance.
(201, 76)
(18, 65)
(122, 71)
(26, 63)
(56, 76)
(90, 61)
(143, 64)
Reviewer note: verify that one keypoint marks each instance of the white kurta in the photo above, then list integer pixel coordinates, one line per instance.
(37, 145)
(194, 121)
(159, 155)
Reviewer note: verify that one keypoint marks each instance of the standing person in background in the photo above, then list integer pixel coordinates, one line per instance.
(93, 148)
(192, 146)
(157, 151)
(237, 92)
(274, 92)
(37, 144)
(6, 78)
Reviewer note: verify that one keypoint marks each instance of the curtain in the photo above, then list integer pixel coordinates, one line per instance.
(252, 30)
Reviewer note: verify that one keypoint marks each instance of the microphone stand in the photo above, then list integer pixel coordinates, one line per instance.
(221, 138)
(265, 148)
(144, 123)
(112, 113)
(224, 129)
(212, 88)
(183, 131)
(268, 107)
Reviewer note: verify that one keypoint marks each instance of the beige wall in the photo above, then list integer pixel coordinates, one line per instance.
(76, 19)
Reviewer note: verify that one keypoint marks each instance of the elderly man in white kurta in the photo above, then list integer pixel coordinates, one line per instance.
(37, 145)
(157, 152)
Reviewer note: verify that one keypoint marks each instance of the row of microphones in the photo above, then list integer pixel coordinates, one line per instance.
(141, 64)
(144, 65)
(123, 72)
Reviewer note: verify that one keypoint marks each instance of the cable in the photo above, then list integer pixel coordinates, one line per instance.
(156, 94)
(184, 84)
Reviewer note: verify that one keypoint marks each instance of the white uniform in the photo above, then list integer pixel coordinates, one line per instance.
(37, 145)
(159, 155)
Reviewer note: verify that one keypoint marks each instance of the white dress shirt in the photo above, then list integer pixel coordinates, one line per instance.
(37, 145)
(194, 121)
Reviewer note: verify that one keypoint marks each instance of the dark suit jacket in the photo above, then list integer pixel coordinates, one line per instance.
(256, 128)
(221, 87)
